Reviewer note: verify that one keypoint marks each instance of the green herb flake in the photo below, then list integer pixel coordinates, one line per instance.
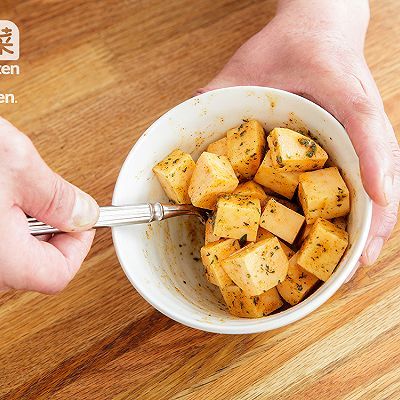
(304, 141)
(299, 287)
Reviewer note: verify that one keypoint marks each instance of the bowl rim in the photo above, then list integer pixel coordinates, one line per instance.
(274, 321)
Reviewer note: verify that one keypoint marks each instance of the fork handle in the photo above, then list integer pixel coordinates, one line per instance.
(111, 216)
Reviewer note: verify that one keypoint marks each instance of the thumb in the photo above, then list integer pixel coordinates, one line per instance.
(366, 127)
(365, 122)
(43, 194)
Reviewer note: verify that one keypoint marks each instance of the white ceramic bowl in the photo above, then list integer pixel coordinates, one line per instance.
(161, 259)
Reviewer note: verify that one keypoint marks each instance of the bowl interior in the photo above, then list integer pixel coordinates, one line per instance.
(162, 260)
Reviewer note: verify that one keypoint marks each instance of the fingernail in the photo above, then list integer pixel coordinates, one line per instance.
(85, 212)
(374, 248)
(388, 188)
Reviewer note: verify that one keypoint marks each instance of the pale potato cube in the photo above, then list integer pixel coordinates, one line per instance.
(269, 301)
(209, 235)
(246, 146)
(212, 176)
(323, 249)
(251, 188)
(293, 151)
(242, 305)
(212, 254)
(174, 174)
(298, 283)
(257, 267)
(323, 194)
(275, 179)
(340, 222)
(237, 217)
(264, 234)
(281, 221)
(219, 147)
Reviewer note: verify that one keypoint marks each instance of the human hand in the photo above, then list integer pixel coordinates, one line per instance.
(319, 55)
(28, 185)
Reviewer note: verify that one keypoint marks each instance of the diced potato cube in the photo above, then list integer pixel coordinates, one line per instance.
(251, 188)
(212, 254)
(209, 235)
(323, 194)
(237, 217)
(212, 176)
(281, 221)
(275, 179)
(174, 174)
(245, 306)
(323, 249)
(293, 151)
(264, 234)
(298, 283)
(339, 222)
(270, 301)
(257, 267)
(219, 147)
(246, 146)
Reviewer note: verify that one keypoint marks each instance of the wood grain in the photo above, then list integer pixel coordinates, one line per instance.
(94, 75)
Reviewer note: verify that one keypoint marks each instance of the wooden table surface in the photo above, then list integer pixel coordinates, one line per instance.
(94, 75)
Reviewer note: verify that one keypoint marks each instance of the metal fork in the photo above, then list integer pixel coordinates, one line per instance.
(111, 216)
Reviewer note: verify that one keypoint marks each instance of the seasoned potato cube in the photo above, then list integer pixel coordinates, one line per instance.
(339, 222)
(323, 249)
(270, 301)
(323, 194)
(246, 146)
(298, 283)
(257, 267)
(209, 235)
(237, 217)
(264, 234)
(212, 176)
(212, 254)
(293, 151)
(243, 305)
(251, 188)
(219, 147)
(174, 174)
(281, 221)
(275, 179)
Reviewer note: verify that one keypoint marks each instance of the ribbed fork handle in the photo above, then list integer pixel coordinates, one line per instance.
(111, 216)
